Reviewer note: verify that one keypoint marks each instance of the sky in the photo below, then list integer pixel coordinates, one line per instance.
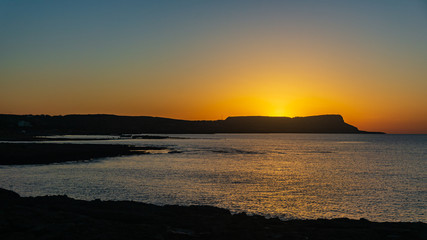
(207, 60)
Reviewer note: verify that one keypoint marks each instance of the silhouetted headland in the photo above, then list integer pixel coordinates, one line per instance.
(61, 217)
(112, 124)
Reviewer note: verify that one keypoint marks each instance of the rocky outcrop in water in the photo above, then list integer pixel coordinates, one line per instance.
(45, 153)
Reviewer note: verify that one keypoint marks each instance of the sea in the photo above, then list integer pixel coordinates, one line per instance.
(289, 176)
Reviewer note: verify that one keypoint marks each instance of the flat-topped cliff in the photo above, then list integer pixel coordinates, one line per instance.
(311, 124)
(112, 124)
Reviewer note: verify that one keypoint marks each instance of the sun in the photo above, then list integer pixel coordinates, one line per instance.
(278, 108)
(278, 112)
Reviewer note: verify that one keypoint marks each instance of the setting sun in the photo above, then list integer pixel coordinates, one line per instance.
(221, 119)
(208, 63)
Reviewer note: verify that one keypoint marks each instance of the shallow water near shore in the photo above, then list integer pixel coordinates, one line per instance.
(377, 177)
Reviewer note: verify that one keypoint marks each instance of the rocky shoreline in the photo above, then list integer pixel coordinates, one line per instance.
(45, 153)
(61, 217)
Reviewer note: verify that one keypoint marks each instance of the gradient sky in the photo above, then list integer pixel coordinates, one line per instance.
(363, 59)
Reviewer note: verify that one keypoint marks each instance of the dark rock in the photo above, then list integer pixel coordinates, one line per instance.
(8, 195)
(61, 217)
(45, 153)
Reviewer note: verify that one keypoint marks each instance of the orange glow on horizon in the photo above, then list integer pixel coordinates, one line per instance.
(211, 60)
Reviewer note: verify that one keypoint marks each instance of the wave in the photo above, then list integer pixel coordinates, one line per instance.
(230, 151)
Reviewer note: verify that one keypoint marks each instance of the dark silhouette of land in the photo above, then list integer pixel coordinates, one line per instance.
(61, 217)
(18, 128)
(46, 153)
(11, 125)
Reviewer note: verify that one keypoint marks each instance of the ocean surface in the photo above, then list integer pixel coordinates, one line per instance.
(290, 176)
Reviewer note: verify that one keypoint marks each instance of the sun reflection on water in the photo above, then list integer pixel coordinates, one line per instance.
(376, 177)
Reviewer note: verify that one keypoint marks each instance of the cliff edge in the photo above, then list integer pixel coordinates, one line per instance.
(112, 124)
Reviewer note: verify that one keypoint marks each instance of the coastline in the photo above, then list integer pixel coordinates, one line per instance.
(61, 217)
(104, 124)
(19, 153)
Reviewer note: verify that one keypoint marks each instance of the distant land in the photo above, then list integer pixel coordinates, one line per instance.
(113, 124)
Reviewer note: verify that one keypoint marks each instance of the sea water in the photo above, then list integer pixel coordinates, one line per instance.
(290, 176)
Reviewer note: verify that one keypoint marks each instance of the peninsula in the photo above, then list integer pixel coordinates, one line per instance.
(113, 124)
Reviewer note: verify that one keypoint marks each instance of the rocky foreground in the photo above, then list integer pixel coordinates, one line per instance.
(61, 217)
